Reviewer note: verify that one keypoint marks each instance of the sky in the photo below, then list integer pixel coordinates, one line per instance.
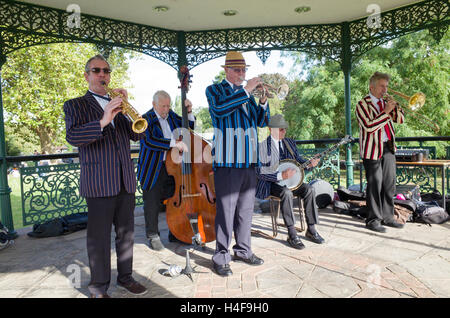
(149, 75)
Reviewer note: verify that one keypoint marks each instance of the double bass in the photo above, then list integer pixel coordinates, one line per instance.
(191, 211)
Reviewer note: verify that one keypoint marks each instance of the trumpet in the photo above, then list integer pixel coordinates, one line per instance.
(268, 90)
(415, 102)
(265, 89)
(139, 124)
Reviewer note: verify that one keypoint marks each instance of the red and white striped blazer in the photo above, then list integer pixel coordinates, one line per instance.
(371, 123)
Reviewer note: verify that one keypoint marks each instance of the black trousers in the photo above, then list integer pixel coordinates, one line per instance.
(306, 192)
(380, 175)
(163, 189)
(102, 214)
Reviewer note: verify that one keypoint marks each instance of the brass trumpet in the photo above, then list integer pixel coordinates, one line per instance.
(415, 102)
(268, 90)
(139, 124)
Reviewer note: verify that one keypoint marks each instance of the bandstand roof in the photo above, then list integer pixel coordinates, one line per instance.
(201, 15)
(191, 32)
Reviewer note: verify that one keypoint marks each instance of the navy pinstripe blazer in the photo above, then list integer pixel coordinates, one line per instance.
(101, 153)
(270, 159)
(153, 146)
(235, 142)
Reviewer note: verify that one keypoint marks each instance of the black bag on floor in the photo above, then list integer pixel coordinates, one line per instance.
(346, 194)
(5, 238)
(430, 213)
(60, 226)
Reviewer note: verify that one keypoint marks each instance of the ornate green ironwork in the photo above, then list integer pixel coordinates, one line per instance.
(328, 169)
(23, 25)
(425, 177)
(52, 191)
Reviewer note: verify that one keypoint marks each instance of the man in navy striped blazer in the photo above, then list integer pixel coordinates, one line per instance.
(235, 118)
(151, 172)
(377, 148)
(95, 125)
(275, 148)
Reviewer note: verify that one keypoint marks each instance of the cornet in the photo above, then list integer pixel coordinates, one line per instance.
(139, 124)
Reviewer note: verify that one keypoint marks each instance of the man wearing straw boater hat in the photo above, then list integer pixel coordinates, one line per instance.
(275, 148)
(235, 117)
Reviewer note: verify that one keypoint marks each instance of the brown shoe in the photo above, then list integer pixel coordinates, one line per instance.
(99, 296)
(133, 287)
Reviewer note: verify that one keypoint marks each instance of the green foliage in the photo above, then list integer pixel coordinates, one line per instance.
(315, 107)
(36, 82)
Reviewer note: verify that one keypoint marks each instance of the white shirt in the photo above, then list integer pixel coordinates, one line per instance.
(375, 100)
(167, 132)
(276, 143)
(103, 103)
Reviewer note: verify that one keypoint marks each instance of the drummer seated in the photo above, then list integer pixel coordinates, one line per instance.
(275, 148)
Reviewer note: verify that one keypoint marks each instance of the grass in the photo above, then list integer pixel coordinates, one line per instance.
(16, 201)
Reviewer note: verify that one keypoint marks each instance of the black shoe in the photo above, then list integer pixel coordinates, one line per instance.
(393, 224)
(223, 270)
(252, 260)
(295, 242)
(376, 226)
(316, 238)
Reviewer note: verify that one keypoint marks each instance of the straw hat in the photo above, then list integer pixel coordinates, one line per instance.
(278, 121)
(234, 59)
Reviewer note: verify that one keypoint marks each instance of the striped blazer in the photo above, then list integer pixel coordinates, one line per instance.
(153, 147)
(371, 122)
(102, 153)
(270, 159)
(235, 143)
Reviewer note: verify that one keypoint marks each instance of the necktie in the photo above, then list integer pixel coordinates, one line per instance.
(386, 128)
(101, 96)
(280, 150)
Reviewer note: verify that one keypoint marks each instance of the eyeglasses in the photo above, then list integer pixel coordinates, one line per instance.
(97, 70)
(239, 70)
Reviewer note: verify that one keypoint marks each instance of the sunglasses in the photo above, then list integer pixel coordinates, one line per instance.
(97, 70)
(238, 70)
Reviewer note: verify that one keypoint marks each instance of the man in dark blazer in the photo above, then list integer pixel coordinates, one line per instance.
(235, 118)
(377, 148)
(152, 174)
(95, 125)
(275, 148)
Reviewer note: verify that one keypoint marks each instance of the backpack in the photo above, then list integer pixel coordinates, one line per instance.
(430, 213)
(5, 238)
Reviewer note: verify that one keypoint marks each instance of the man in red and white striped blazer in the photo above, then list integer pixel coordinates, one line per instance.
(95, 124)
(377, 148)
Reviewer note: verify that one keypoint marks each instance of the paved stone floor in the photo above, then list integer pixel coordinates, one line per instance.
(354, 262)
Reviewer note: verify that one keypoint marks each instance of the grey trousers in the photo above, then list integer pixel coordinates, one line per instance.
(235, 196)
(380, 175)
(306, 192)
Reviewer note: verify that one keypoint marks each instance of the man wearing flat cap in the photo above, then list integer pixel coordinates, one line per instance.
(235, 117)
(275, 148)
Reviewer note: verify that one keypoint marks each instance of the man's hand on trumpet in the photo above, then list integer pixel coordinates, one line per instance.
(252, 84)
(111, 110)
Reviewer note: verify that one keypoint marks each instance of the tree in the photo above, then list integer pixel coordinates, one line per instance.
(36, 82)
(315, 105)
